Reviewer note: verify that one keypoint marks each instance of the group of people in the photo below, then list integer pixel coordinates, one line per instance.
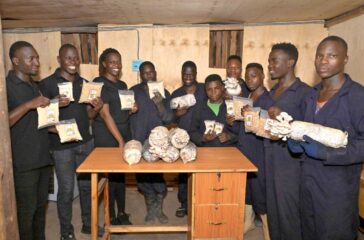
(302, 190)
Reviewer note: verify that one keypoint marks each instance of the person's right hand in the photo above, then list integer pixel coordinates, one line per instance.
(180, 111)
(274, 111)
(39, 101)
(230, 119)
(209, 136)
(63, 100)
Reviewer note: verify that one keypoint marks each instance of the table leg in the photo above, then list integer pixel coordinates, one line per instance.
(106, 207)
(94, 206)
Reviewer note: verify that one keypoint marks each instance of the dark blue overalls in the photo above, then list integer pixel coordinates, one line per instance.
(330, 188)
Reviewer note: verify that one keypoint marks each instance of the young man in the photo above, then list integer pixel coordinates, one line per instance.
(153, 111)
(282, 167)
(212, 109)
(30, 148)
(183, 117)
(331, 176)
(68, 156)
(234, 70)
(252, 146)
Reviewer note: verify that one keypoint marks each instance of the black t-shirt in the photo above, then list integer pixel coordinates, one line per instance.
(75, 110)
(110, 96)
(30, 146)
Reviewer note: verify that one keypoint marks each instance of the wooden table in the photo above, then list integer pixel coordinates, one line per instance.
(217, 181)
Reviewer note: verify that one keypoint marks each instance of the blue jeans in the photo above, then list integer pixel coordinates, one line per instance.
(31, 190)
(66, 162)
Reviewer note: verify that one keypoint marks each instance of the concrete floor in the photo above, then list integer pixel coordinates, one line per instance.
(136, 207)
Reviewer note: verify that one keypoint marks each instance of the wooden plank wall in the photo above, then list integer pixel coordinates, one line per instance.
(258, 41)
(352, 31)
(8, 218)
(47, 45)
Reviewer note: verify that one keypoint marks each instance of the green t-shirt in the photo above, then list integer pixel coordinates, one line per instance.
(215, 107)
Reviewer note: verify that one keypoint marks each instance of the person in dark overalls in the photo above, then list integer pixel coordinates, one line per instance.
(252, 146)
(283, 168)
(331, 176)
(234, 70)
(183, 117)
(111, 128)
(153, 111)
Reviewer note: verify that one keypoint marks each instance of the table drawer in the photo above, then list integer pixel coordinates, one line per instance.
(219, 188)
(220, 221)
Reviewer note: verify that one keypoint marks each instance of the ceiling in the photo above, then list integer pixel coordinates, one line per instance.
(76, 13)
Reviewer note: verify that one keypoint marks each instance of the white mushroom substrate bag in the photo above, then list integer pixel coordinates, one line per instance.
(147, 155)
(285, 128)
(187, 100)
(232, 86)
(132, 152)
(178, 137)
(159, 136)
(171, 155)
(188, 153)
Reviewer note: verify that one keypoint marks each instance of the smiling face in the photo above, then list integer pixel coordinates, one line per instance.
(26, 60)
(331, 58)
(254, 78)
(112, 65)
(279, 64)
(188, 76)
(233, 69)
(69, 61)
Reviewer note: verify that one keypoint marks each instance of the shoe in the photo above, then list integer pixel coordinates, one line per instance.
(87, 230)
(70, 236)
(181, 212)
(159, 209)
(150, 200)
(258, 221)
(121, 219)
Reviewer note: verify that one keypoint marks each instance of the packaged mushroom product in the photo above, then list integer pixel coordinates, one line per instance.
(188, 153)
(132, 152)
(154, 86)
(229, 107)
(232, 86)
(218, 128)
(68, 131)
(209, 126)
(147, 155)
(159, 136)
(126, 99)
(90, 90)
(251, 120)
(66, 89)
(187, 100)
(178, 137)
(48, 116)
(239, 103)
(263, 118)
(171, 155)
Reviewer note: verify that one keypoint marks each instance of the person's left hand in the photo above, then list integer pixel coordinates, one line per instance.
(314, 149)
(294, 146)
(224, 137)
(97, 104)
(134, 109)
(157, 99)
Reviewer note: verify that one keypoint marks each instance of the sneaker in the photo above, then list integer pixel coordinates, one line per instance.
(70, 236)
(87, 230)
(181, 212)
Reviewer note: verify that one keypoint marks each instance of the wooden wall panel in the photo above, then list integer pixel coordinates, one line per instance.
(8, 217)
(353, 33)
(258, 41)
(47, 45)
(89, 71)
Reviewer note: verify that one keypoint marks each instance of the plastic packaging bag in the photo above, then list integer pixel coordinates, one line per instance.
(159, 136)
(154, 86)
(147, 155)
(229, 107)
(127, 99)
(68, 131)
(218, 128)
(187, 100)
(232, 86)
(239, 103)
(251, 120)
(132, 152)
(188, 153)
(90, 90)
(170, 155)
(66, 89)
(48, 116)
(178, 137)
(209, 126)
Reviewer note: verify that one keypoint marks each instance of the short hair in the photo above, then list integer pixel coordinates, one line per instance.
(145, 64)
(66, 46)
(189, 64)
(337, 39)
(234, 57)
(289, 49)
(254, 65)
(212, 78)
(16, 46)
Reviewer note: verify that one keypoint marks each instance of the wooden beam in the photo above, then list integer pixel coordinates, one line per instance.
(147, 228)
(8, 218)
(344, 17)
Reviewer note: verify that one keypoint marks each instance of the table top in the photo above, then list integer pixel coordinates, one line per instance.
(215, 159)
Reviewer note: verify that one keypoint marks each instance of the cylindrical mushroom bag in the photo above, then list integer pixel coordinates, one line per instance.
(171, 155)
(132, 152)
(232, 86)
(178, 137)
(147, 155)
(159, 136)
(188, 153)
